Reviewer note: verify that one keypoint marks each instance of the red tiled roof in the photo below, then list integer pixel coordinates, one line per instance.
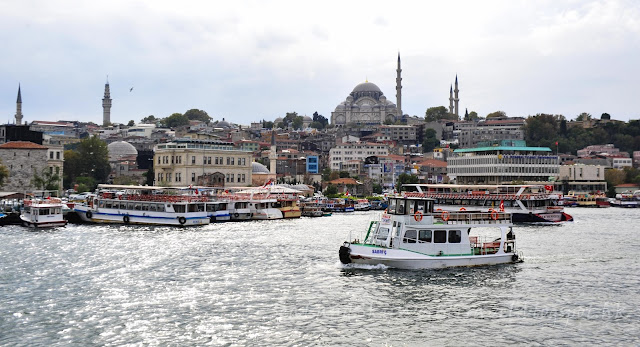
(433, 163)
(21, 145)
(344, 181)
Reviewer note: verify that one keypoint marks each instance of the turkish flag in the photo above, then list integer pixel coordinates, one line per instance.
(501, 205)
(548, 187)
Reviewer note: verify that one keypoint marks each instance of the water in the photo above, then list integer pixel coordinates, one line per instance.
(280, 283)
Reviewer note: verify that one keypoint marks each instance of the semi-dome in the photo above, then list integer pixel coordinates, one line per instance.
(259, 168)
(366, 87)
(120, 149)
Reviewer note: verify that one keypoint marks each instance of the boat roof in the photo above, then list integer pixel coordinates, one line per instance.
(472, 186)
(503, 148)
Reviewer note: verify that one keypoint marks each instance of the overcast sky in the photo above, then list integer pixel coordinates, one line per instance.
(252, 60)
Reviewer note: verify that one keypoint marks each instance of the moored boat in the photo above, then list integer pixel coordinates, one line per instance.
(410, 235)
(42, 210)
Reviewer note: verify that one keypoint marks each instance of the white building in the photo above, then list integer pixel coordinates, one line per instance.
(619, 163)
(344, 154)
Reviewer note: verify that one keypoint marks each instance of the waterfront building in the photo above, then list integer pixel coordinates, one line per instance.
(345, 153)
(470, 133)
(432, 171)
(502, 164)
(186, 162)
(24, 160)
(582, 178)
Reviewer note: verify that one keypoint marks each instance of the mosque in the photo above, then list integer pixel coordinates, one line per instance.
(366, 104)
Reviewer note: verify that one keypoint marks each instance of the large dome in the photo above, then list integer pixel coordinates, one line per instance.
(366, 87)
(258, 168)
(120, 149)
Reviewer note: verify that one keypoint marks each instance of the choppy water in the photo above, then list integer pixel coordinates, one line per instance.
(280, 283)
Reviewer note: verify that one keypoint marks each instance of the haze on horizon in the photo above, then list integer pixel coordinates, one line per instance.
(252, 60)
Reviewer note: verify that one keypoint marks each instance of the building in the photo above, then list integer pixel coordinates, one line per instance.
(24, 160)
(608, 149)
(582, 178)
(200, 162)
(398, 133)
(620, 163)
(106, 106)
(502, 165)
(343, 153)
(470, 133)
(432, 171)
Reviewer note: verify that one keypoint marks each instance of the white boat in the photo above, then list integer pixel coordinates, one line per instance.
(42, 211)
(532, 203)
(218, 211)
(410, 235)
(239, 209)
(311, 209)
(263, 207)
(362, 205)
(626, 200)
(144, 205)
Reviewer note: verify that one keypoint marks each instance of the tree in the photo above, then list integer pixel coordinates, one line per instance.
(297, 123)
(267, 124)
(149, 119)
(4, 173)
(326, 172)
(473, 115)
(344, 174)
(331, 191)
(605, 116)
(436, 113)
(131, 123)
(86, 184)
(583, 117)
(377, 188)
(46, 180)
(175, 120)
(320, 119)
(404, 178)
(497, 114)
(149, 176)
(430, 140)
(195, 114)
(91, 159)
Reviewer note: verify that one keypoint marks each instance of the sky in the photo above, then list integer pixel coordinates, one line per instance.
(251, 60)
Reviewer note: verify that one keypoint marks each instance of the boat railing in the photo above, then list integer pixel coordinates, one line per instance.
(155, 198)
(483, 245)
(493, 217)
(467, 196)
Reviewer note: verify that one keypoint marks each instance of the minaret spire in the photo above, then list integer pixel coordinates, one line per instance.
(273, 156)
(456, 99)
(19, 107)
(451, 99)
(106, 105)
(399, 88)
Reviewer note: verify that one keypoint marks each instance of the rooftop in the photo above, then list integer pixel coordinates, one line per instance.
(21, 145)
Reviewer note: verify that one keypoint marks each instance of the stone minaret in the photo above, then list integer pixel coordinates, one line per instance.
(399, 88)
(456, 99)
(273, 157)
(106, 106)
(451, 99)
(19, 108)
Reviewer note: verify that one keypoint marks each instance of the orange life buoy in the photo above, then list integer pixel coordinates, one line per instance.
(494, 215)
(418, 216)
(462, 209)
(445, 215)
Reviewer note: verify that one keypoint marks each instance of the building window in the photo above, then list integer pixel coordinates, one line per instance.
(168, 177)
(58, 155)
(209, 160)
(228, 161)
(57, 170)
(178, 177)
(231, 178)
(193, 176)
(193, 159)
(50, 155)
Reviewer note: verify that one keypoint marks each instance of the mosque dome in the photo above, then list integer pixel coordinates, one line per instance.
(223, 124)
(366, 87)
(258, 168)
(307, 119)
(278, 120)
(120, 149)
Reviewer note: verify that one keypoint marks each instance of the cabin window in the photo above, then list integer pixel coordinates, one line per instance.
(382, 234)
(101, 203)
(211, 207)
(392, 206)
(160, 208)
(107, 204)
(137, 206)
(130, 206)
(425, 236)
(440, 236)
(455, 236)
(420, 206)
(58, 210)
(152, 207)
(145, 207)
(410, 236)
(179, 208)
(222, 207)
(401, 209)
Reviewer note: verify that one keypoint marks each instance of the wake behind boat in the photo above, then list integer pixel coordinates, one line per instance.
(410, 235)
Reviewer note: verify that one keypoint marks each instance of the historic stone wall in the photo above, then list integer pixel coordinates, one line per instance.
(22, 164)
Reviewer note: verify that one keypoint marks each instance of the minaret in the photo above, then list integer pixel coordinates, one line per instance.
(273, 157)
(19, 108)
(399, 88)
(456, 99)
(451, 99)
(106, 105)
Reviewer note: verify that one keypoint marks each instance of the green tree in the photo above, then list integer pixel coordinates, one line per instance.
(91, 159)
(297, 123)
(438, 112)
(149, 119)
(377, 188)
(473, 115)
(344, 174)
(149, 176)
(267, 124)
(605, 116)
(404, 178)
(46, 180)
(331, 191)
(175, 120)
(326, 172)
(320, 119)
(4, 173)
(497, 114)
(86, 184)
(430, 140)
(195, 114)
(131, 123)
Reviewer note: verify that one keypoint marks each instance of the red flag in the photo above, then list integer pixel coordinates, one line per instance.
(548, 187)
(556, 143)
(502, 205)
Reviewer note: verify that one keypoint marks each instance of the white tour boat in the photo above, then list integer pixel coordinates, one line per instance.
(410, 235)
(144, 205)
(532, 203)
(42, 211)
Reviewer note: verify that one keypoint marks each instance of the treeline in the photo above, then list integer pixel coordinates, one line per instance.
(545, 130)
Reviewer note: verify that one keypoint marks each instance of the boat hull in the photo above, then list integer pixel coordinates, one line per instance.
(402, 259)
(112, 217)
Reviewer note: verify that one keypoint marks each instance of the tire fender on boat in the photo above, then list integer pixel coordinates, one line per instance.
(182, 220)
(236, 215)
(89, 214)
(125, 219)
(514, 257)
(345, 253)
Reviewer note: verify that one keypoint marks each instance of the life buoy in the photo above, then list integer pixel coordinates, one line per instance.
(418, 216)
(119, 197)
(89, 214)
(125, 219)
(462, 209)
(182, 220)
(494, 215)
(445, 215)
(514, 257)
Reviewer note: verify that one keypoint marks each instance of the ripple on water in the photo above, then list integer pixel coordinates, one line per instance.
(280, 282)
